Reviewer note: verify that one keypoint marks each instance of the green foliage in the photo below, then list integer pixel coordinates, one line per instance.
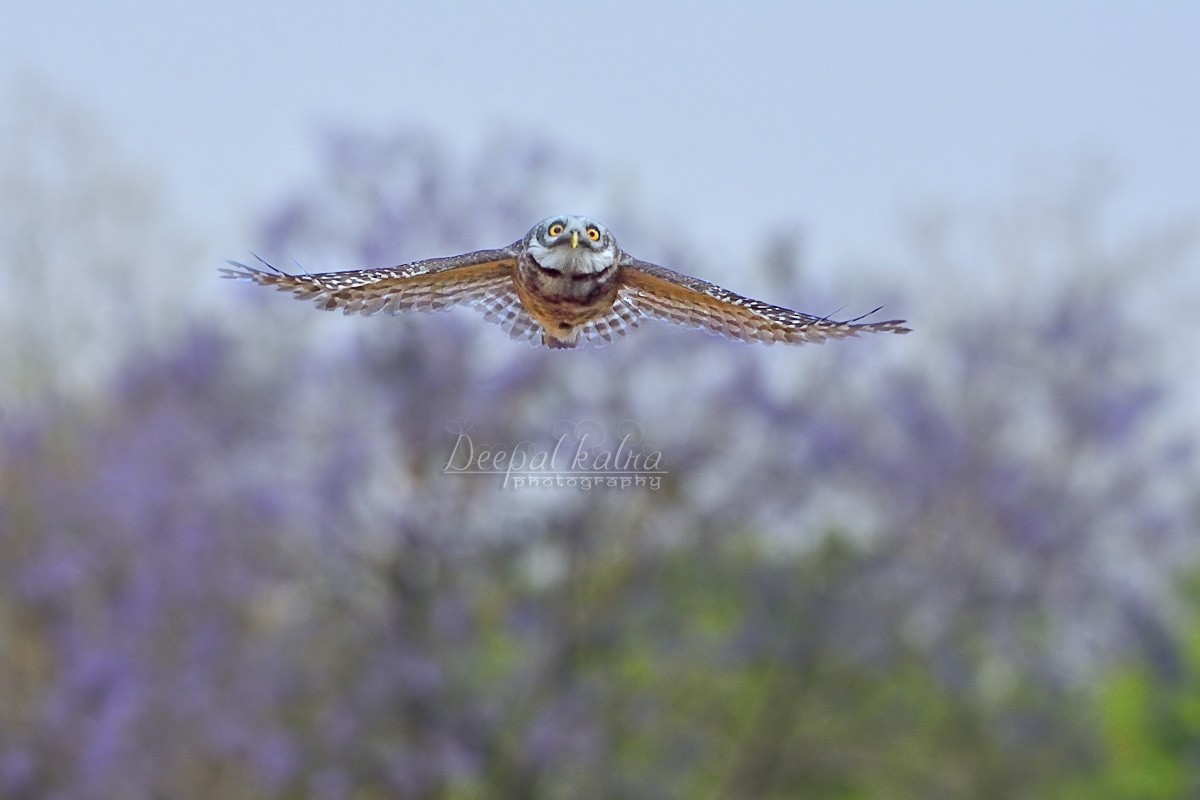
(698, 704)
(1148, 723)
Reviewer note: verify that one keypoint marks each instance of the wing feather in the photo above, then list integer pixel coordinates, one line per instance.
(618, 321)
(431, 285)
(674, 297)
(502, 306)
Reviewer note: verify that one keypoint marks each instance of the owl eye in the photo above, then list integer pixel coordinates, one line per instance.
(556, 229)
(594, 233)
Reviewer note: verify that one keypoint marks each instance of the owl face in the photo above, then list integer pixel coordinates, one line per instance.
(571, 245)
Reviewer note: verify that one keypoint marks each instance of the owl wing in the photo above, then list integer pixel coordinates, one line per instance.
(671, 296)
(483, 279)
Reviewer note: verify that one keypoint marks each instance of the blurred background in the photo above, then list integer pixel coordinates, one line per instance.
(961, 563)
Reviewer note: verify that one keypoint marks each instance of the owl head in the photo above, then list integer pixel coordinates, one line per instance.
(572, 245)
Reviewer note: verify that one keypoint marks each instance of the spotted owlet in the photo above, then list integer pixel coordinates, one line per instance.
(564, 283)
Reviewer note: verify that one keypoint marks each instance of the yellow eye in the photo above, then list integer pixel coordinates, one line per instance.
(556, 229)
(594, 234)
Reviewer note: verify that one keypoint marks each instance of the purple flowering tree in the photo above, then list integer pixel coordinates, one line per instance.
(873, 566)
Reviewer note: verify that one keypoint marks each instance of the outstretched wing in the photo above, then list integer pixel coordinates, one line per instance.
(668, 295)
(483, 278)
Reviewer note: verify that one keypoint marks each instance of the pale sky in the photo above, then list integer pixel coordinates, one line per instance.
(842, 118)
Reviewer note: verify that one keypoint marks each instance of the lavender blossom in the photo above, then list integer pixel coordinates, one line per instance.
(246, 572)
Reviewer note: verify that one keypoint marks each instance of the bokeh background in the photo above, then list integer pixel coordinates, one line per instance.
(961, 563)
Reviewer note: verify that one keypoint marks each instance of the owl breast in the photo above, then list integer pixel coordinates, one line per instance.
(561, 300)
(571, 275)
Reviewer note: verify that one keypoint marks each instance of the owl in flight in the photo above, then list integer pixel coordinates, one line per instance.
(564, 283)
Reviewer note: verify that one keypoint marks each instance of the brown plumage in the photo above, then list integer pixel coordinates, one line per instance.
(566, 282)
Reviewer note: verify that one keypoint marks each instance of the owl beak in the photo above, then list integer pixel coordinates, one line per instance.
(574, 239)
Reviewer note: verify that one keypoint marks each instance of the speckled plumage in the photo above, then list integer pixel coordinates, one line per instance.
(563, 284)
